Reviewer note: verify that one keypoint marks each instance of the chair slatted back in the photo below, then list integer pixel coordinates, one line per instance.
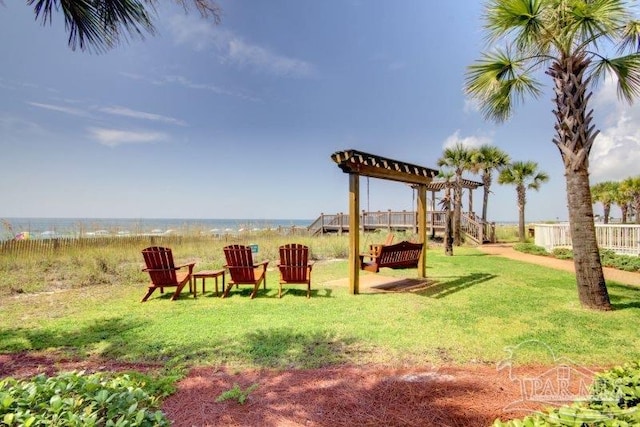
(160, 264)
(240, 263)
(294, 260)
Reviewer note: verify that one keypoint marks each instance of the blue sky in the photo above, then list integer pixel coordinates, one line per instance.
(239, 120)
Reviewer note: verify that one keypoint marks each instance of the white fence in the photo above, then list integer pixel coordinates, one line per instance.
(623, 239)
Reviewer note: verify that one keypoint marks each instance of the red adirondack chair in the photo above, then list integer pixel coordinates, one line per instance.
(294, 266)
(242, 269)
(164, 273)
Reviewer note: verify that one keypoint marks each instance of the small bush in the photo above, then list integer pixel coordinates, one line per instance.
(237, 393)
(530, 248)
(562, 253)
(76, 399)
(621, 262)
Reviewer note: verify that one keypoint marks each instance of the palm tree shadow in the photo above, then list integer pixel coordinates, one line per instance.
(441, 289)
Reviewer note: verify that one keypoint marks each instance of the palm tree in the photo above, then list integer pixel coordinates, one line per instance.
(525, 176)
(605, 193)
(100, 25)
(569, 41)
(630, 187)
(459, 158)
(488, 158)
(445, 205)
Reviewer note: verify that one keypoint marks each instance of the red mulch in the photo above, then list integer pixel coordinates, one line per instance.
(473, 395)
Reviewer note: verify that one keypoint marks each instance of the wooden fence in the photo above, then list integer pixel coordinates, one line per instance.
(623, 239)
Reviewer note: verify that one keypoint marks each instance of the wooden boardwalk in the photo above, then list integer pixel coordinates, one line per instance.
(403, 221)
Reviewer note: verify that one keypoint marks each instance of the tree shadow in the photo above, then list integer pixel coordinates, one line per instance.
(440, 289)
(285, 348)
(340, 397)
(623, 296)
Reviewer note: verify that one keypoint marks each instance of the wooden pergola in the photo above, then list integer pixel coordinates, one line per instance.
(440, 184)
(356, 164)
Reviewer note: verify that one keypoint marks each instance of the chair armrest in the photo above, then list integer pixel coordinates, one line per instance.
(190, 265)
(263, 263)
(160, 269)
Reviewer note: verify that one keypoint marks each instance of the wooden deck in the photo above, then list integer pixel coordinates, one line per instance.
(403, 221)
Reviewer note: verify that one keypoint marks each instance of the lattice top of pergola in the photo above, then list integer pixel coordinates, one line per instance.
(440, 184)
(365, 164)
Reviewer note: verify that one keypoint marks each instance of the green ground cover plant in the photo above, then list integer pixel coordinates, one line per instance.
(78, 399)
(613, 401)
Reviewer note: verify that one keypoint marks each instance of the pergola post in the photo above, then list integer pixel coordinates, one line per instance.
(354, 233)
(422, 229)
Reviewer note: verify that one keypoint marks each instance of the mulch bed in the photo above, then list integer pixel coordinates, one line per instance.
(473, 395)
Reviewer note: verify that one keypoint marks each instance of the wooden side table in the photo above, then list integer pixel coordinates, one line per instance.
(204, 275)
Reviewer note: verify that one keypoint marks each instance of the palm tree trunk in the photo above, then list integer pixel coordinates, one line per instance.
(521, 203)
(607, 212)
(457, 208)
(592, 289)
(574, 138)
(486, 181)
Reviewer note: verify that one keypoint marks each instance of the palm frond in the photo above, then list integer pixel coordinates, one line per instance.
(591, 21)
(630, 37)
(521, 18)
(498, 82)
(97, 24)
(626, 69)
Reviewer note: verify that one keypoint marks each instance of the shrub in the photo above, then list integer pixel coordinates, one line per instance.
(621, 262)
(562, 253)
(77, 399)
(530, 248)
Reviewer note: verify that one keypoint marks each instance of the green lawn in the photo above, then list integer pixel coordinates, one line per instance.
(478, 309)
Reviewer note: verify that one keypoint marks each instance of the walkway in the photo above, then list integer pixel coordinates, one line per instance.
(506, 250)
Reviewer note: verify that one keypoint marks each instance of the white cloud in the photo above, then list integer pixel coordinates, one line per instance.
(471, 106)
(183, 81)
(468, 141)
(127, 112)
(615, 154)
(201, 35)
(61, 109)
(115, 137)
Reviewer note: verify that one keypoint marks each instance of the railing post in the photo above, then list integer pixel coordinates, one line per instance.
(340, 223)
(364, 217)
(389, 220)
(321, 223)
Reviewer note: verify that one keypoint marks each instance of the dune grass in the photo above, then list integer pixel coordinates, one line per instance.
(479, 309)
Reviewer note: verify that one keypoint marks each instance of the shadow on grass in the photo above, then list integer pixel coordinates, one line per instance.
(273, 292)
(440, 289)
(623, 296)
(106, 334)
(283, 348)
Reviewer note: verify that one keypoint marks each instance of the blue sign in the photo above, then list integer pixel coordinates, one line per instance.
(254, 248)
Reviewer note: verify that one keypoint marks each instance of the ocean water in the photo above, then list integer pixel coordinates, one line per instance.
(35, 228)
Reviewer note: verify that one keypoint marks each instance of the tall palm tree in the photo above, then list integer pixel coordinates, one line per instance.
(605, 193)
(458, 158)
(569, 40)
(525, 176)
(100, 25)
(488, 158)
(631, 188)
(445, 205)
